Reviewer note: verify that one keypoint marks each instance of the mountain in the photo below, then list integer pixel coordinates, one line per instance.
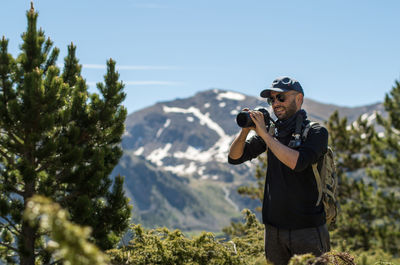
(175, 158)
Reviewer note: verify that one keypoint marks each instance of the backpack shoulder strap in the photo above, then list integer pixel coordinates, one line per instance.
(307, 129)
(318, 179)
(271, 131)
(319, 182)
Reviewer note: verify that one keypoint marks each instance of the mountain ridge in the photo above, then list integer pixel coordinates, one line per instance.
(178, 149)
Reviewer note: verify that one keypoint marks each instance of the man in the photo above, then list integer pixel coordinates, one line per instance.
(294, 224)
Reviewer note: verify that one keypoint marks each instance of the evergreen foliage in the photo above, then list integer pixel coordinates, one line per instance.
(245, 245)
(368, 218)
(161, 246)
(60, 141)
(386, 155)
(355, 195)
(69, 242)
(335, 258)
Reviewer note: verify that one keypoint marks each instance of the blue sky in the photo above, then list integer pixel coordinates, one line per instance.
(342, 52)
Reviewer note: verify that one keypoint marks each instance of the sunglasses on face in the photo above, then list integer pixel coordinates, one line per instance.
(280, 97)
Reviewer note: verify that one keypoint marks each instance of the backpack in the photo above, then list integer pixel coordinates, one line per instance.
(327, 181)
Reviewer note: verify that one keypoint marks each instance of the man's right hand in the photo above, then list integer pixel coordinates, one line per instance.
(247, 129)
(237, 146)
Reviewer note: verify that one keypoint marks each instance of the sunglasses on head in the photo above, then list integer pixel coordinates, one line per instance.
(280, 97)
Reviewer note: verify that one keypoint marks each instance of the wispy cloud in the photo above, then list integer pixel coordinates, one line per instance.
(131, 67)
(145, 83)
(127, 67)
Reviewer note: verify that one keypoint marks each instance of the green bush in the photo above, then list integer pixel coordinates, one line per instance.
(162, 246)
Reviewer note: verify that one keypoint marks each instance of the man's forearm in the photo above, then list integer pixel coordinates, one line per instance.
(237, 146)
(285, 154)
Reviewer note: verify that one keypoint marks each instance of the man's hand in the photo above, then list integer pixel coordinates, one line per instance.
(285, 154)
(258, 119)
(237, 147)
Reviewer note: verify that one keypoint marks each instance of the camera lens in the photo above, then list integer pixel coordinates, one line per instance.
(243, 119)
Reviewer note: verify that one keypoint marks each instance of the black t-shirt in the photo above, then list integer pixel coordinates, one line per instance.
(290, 196)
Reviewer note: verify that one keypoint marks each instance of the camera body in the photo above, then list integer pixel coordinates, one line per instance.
(243, 118)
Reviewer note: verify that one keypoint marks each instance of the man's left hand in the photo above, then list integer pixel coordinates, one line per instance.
(258, 119)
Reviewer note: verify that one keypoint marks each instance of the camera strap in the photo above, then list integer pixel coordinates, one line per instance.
(296, 141)
(272, 131)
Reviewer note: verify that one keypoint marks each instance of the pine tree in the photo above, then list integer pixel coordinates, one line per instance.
(60, 141)
(369, 212)
(386, 155)
(357, 197)
(69, 242)
(352, 146)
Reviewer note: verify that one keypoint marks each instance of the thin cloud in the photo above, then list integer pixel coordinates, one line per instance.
(131, 67)
(145, 83)
(149, 83)
(127, 67)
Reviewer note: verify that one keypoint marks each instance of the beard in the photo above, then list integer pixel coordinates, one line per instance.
(286, 111)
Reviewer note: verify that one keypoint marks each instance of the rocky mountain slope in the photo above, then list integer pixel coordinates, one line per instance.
(175, 158)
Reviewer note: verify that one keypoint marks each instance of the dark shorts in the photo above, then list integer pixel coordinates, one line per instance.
(282, 244)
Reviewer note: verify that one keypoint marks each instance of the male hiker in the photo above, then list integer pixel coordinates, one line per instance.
(294, 223)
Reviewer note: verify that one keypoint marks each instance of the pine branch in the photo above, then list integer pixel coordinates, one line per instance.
(9, 159)
(16, 230)
(9, 247)
(43, 167)
(16, 138)
(15, 190)
(9, 132)
(56, 262)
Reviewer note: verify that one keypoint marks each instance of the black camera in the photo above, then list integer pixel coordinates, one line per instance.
(243, 118)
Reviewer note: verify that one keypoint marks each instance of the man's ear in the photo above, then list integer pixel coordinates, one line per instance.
(299, 99)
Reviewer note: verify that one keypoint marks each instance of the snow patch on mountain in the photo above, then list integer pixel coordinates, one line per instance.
(190, 119)
(166, 124)
(228, 199)
(370, 118)
(139, 151)
(205, 177)
(231, 95)
(159, 154)
(222, 104)
(183, 169)
(218, 152)
(192, 153)
(204, 118)
(234, 112)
